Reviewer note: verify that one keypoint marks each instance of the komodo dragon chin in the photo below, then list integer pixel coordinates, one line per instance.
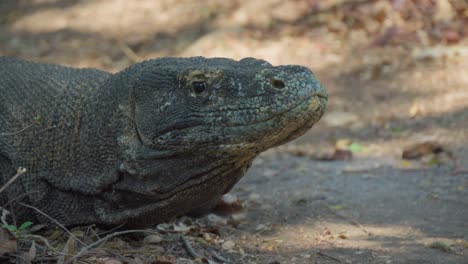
(162, 138)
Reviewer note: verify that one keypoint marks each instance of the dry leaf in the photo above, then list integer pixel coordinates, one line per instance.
(451, 36)
(7, 242)
(210, 229)
(342, 235)
(419, 150)
(70, 246)
(209, 238)
(337, 207)
(415, 110)
(444, 11)
(339, 154)
(260, 227)
(181, 227)
(239, 216)
(31, 254)
(109, 261)
(169, 259)
(228, 245)
(343, 143)
(405, 164)
(296, 151)
(55, 234)
(228, 204)
(441, 245)
(152, 239)
(184, 261)
(78, 233)
(68, 250)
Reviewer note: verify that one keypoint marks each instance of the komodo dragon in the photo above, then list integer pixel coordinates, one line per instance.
(161, 138)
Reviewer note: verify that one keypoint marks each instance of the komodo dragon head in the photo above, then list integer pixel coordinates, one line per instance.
(197, 124)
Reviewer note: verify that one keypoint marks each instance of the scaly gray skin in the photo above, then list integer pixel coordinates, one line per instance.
(145, 144)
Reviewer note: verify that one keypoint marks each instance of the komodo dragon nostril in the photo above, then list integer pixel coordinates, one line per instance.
(278, 84)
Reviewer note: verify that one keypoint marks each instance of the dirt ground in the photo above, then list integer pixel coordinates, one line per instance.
(395, 80)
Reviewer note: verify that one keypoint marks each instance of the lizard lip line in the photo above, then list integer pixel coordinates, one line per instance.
(292, 108)
(187, 126)
(320, 95)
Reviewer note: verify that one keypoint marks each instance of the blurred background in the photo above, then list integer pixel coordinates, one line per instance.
(397, 75)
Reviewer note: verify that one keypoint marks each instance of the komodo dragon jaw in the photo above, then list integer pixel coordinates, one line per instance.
(159, 139)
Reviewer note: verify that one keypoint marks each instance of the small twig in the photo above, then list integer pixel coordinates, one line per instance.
(20, 259)
(5, 213)
(121, 257)
(84, 250)
(93, 232)
(13, 218)
(328, 256)
(19, 172)
(219, 257)
(45, 241)
(28, 243)
(192, 252)
(129, 52)
(55, 221)
(110, 231)
(19, 131)
(353, 222)
(189, 248)
(17, 198)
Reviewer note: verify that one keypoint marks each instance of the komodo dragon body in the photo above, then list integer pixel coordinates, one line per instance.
(162, 138)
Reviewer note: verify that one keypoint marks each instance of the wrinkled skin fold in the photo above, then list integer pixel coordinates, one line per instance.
(156, 140)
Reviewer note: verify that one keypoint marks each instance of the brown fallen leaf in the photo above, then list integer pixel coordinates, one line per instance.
(228, 204)
(451, 36)
(68, 250)
(421, 149)
(152, 239)
(415, 110)
(30, 254)
(168, 259)
(7, 243)
(342, 235)
(298, 152)
(109, 261)
(185, 261)
(338, 154)
(210, 229)
(228, 245)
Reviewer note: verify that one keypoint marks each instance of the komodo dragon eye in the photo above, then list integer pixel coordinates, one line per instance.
(198, 87)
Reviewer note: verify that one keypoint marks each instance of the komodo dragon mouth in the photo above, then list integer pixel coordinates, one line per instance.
(319, 107)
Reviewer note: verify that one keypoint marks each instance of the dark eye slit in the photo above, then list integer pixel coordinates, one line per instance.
(198, 87)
